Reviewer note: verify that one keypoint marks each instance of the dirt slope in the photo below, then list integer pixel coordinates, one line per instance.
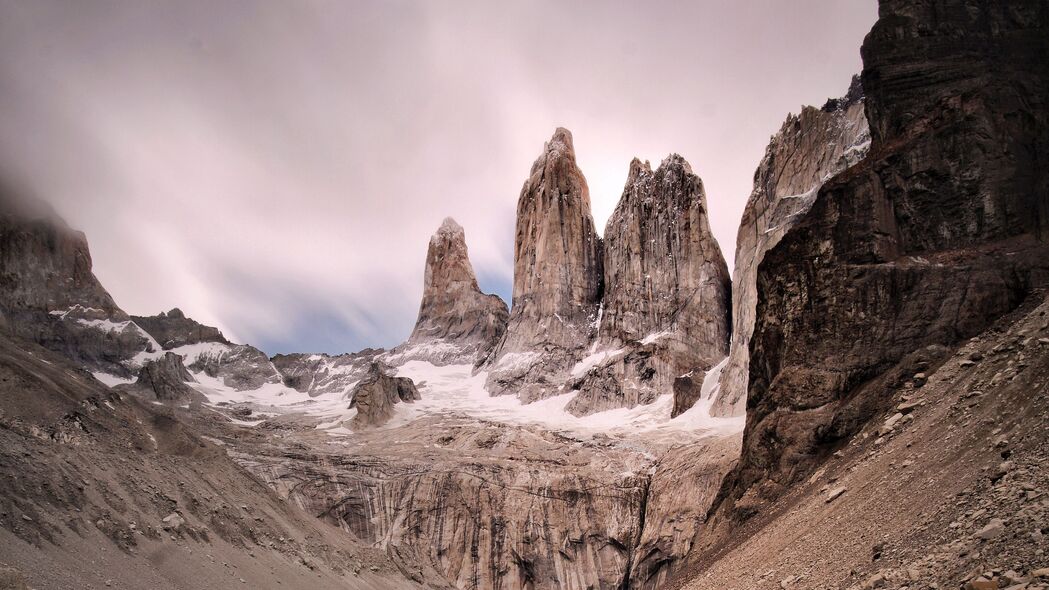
(949, 484)
(98, 490)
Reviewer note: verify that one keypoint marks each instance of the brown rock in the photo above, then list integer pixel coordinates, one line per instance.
(557, 278)
(809, 148)
(457, 322)
(666, 301)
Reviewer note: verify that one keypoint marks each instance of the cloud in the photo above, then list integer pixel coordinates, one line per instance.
(276, 168)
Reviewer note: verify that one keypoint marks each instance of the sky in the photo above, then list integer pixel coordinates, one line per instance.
(276, 168)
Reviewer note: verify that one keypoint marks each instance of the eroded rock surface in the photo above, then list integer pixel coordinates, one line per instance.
(936, 234)
(165, 379)
(457, 323)
(173, 329)
(49, 295)
(809, 149)
(665, 309)
(376, 395)
(318, 374)
(557, 278)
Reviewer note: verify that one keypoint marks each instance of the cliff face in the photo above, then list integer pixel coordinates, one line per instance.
(457, 322)
(173, 329)
(665, 309)
(49, 295)
(937, 233)
(557, 278)
(809, 149)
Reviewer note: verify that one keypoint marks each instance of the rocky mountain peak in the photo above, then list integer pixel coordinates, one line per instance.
(457, 322)
(557, 274)
(665, 309)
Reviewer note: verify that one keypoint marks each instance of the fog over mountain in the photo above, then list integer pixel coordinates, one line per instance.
(276, 169)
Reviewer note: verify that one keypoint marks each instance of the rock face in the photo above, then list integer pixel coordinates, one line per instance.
(376, 394)
(492, 505)
(666, 300)
(457, 322)
(318, 374)
(941, 230)
(174, 329)
(557, 278)
(49, 295)
(165, 379)
(809, 148)
(239, 366)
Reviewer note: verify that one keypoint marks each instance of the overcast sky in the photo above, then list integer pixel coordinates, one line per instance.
(276, 168)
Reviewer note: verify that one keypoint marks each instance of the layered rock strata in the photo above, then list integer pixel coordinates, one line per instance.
(665, 310)
(557, 278)
(457, 322)
(810, 148)
(937, 233)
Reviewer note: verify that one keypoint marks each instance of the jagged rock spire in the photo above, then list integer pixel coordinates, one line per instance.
(454, 314)
(557, 274)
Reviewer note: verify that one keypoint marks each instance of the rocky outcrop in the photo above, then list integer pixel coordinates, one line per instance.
(457, 323)
(376, 394)
(665, 310)
(49, 295)
(809, 148)
(165, 379)
(937, 233)
(238, 366)
(173, 329)
(493, 505)
(319, 374)
(557, 278)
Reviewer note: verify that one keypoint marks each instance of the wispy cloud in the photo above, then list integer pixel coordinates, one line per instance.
(277, 168)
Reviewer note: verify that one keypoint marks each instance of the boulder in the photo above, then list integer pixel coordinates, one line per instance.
(376, 394)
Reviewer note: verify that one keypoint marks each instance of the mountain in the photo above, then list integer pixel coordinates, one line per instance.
(906, 272)
(665, 309)
(809, 149)
(557, 278)
(457, 322)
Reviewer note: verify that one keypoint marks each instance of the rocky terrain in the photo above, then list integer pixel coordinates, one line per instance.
(890, 348)
(944, 488)
(457, 322)
(665, 310)
(101, 490)
(557, 278)
(810, 148)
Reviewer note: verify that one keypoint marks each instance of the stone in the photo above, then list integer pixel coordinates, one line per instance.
(874, 272)
(667, 291)
(991, 530)
(173, 521)
(49, 294)
(808, 149)
(318, 374)
(557, 279)
(457, 323)
(835, 494)
(165, 379)
(377, 393)
(173, 329)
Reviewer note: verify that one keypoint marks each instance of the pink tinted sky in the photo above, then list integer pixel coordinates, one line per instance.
(276, 168)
